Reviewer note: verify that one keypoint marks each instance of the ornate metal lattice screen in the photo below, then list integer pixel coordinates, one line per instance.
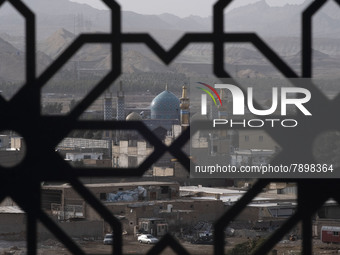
(41, 163)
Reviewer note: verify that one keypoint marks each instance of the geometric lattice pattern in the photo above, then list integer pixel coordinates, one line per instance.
(22, 114)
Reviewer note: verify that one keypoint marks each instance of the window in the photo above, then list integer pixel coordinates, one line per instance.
(145, 226)
(246, 138)
(132, 143)
(261, 138)
(164, 189)
(215, 149)
(336, 233)
(132, 161)
(102, 196)
(87, 156)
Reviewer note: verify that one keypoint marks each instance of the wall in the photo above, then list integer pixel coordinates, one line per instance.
(277, 185)
(181, 172)
(12, 223)
(16, 142)
(10, 158)
(254, 141)
(123, 151)
(115, 209)
(199, 142)
(98, 163)
(15, 224)
(4, 141)
(253, 214)
(249, 214)
(329, 212)
(183, 213)
(77, 229)
(160, 171)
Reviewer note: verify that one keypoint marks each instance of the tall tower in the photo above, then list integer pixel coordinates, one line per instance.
(108, 116)
(184, 105)
(108, 112)
(120, 103)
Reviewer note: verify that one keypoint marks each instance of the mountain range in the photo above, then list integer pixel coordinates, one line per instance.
(257, 17)
(12, 63)
(59, 22)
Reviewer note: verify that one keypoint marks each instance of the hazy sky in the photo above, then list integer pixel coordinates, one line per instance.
(182, 8)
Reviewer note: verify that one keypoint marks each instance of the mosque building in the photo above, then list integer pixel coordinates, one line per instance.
(166, 110)
(167, 117)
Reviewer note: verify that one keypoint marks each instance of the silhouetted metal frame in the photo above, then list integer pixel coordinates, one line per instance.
(43, 133)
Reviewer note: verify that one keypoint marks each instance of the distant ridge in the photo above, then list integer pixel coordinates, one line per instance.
(258, 17)
(60, 22)
(57, 42)
(12, 63)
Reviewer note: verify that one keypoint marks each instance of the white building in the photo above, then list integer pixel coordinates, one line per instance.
(252, 157)
(79, 156)
(130, 153)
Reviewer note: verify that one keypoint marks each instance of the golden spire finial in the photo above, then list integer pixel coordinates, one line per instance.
(184, 91)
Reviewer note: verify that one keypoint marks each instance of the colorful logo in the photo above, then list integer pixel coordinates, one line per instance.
(204, 97)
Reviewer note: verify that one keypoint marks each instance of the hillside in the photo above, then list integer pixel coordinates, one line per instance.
(258, 17)
(52, 15)
(59, 22)
(12, 67)
(98, 56)
(241, 59)
(11, 63)
(57, 42)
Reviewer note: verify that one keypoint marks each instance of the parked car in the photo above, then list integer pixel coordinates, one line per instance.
(149, 239)
(108, 239)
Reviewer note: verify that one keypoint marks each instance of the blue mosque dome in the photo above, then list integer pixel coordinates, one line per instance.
(165, 106)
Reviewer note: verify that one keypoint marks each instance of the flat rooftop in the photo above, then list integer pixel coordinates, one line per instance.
(11, 209)
(192, 190)
(117, 184)
(198, 189)
(230, 196)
